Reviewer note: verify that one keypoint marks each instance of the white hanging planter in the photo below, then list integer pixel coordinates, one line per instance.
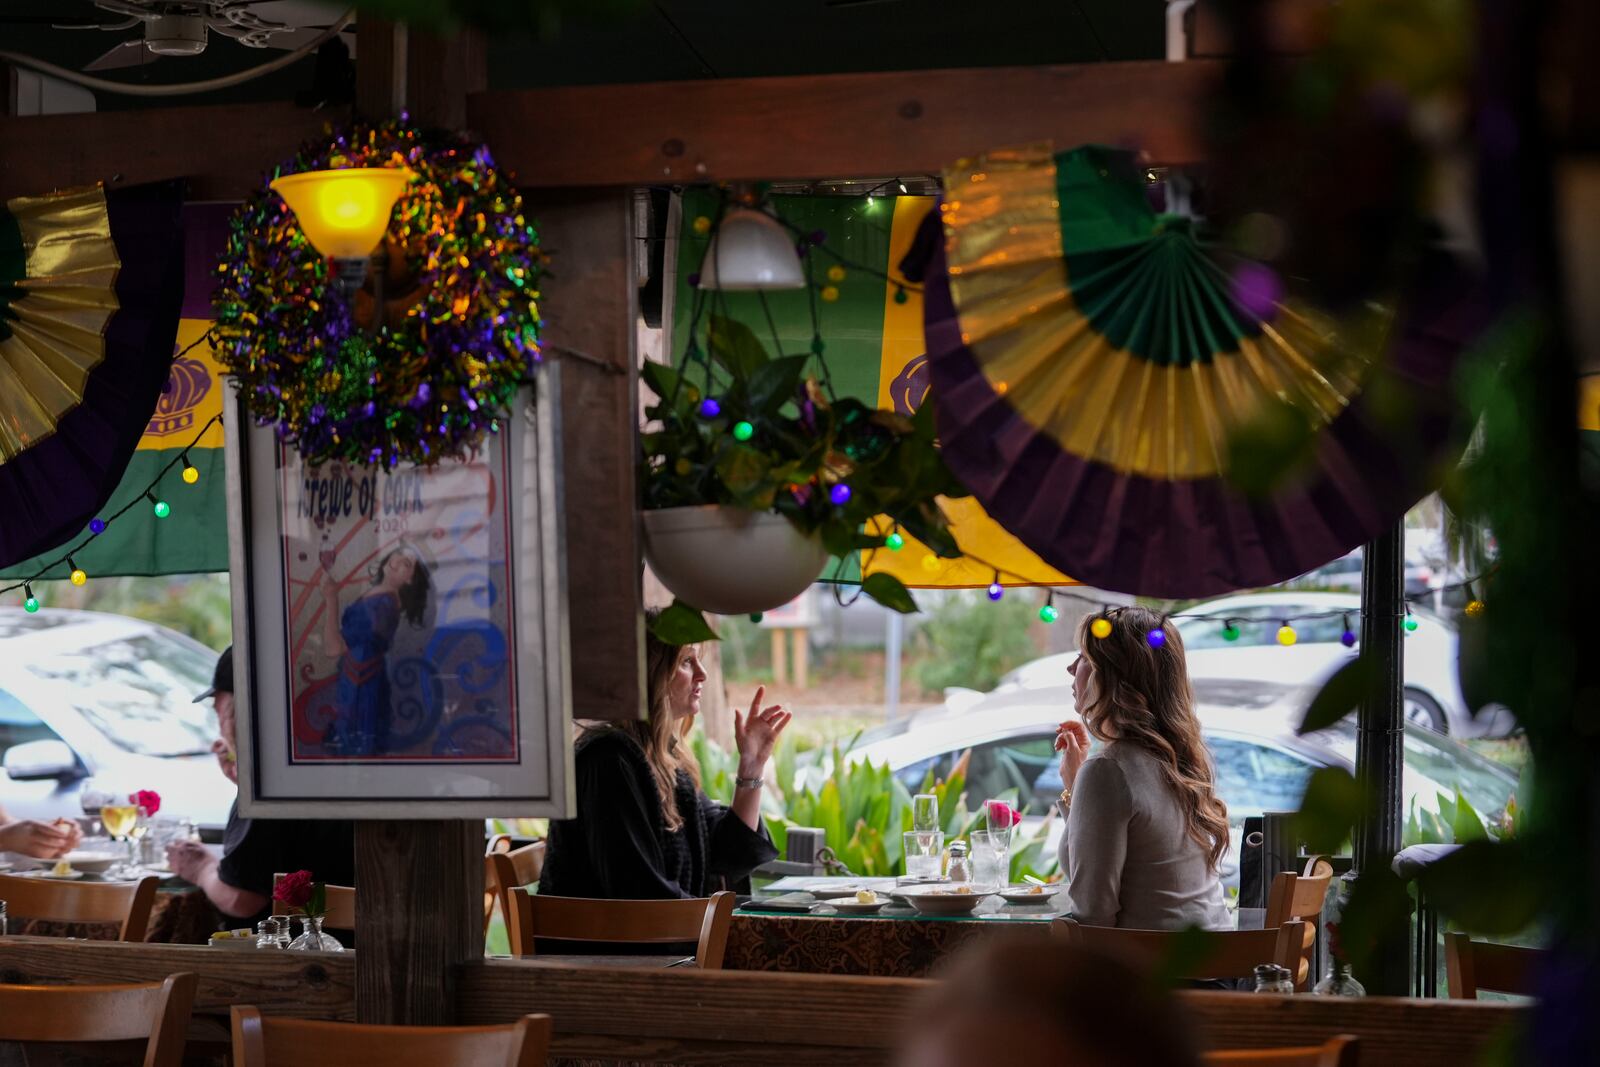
(728, 560)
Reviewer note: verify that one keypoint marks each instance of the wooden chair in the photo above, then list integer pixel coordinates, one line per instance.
(703, 921)
(1341, 1051)
(1473, 965)
(280, 1042)
(505, 871)
(128, 903)
(1296, 896)
(341, 904)
(1232, 953)
(156, 1013)
(491, 895)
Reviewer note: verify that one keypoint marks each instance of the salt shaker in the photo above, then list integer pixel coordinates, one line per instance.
(2, 918)
(1271, 978)
(959, 868)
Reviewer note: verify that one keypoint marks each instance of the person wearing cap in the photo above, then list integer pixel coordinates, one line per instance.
(239, 882)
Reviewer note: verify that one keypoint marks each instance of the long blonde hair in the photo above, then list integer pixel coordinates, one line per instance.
(662, 735)
(1142, 696)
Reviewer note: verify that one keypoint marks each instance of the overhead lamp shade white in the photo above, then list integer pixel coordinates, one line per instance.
(751, 250)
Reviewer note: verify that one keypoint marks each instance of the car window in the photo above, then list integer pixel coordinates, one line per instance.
(1253, 778)
(1258, 625)
(1449, 764)
(19, 725)
(1029, 765)
(138, 691)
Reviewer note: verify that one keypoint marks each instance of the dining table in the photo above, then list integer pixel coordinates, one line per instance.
(180, 914)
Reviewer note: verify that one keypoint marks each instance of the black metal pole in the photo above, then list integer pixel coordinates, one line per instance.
(1380, 736)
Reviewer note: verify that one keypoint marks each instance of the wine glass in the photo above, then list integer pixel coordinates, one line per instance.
(925, 813)
(119, 820)
(92, 796)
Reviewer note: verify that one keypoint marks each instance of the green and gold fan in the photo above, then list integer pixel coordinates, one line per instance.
(91, 284)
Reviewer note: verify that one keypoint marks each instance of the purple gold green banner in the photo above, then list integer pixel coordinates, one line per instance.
(870, 320)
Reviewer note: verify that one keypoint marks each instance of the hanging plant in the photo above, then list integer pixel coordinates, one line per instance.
(771, 440)
(459, 328)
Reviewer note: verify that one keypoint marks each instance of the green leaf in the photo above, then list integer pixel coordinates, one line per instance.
(775, 382)
(889, 591)
(681, 624)
(664, 381)
(742, 468)
(317, 903)
(1467, 825)
(1487, 887)
(1339, 697)
(734, 345)
(1334, 802)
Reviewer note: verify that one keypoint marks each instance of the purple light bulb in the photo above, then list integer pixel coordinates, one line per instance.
(1156, 637)
(839, 494)
(996, 591)
(709, 408)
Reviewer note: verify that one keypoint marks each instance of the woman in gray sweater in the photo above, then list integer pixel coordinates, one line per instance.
(1145, 829)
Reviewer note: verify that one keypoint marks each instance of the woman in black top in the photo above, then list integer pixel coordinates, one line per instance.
(643, 828)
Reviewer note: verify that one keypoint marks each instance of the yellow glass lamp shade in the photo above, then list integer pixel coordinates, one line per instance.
(344, 213)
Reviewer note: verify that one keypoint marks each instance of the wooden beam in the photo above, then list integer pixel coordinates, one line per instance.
(382, 67)
(224, 151)
(590, 302)
(442, 73)
(688, 1016)
(835, 125)
(419, 915)
(301, 984)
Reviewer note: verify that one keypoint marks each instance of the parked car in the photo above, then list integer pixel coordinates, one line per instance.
(1433, 697)
(87, 694)
(1261, 764)
(1422, 571)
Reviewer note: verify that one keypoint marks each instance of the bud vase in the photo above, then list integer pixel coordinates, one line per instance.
(1340, 983)
(312, 939)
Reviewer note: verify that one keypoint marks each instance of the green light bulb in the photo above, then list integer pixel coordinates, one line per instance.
(162, 509)
(31, 604)
(1411, 624)
(1048, 613)
(1230, 632)
(743, 431)
(894, 542)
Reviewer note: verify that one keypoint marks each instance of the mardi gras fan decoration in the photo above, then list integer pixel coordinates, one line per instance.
(412, 358)
(1155, 417)
(91, 285)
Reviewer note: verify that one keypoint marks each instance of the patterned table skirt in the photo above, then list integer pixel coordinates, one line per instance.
(884, 948)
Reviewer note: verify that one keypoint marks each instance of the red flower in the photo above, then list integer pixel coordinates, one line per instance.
(148, 799)
(294, 889)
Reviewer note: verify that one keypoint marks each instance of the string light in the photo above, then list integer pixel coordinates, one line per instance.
(836, 273)
(839, 494)
(996, 590)
(1475, 608)
(191, 473)
(709, 408)
(97, 526)
(830, 293)
(743, 431)
(1411, 621)
(1287, 635)
(31, 604)
(1048, 613)
(1155, 637)
(894, 542)
(160, 507)
(1348, 638)
(1230, 630)
(78, 575)
(930, 563)
(900, 296)
(1101, 627)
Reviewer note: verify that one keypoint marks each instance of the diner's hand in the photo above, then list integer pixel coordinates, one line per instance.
(1072, 741)
(755, 734)
(41, 840)
(226, 760)
(188, 859)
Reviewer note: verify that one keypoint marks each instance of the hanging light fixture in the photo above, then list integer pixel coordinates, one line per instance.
(344, 213)
(751, 250)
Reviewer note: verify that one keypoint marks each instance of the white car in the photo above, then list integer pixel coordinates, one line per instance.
(1433, 697)
(1261, 764)
(86, 694)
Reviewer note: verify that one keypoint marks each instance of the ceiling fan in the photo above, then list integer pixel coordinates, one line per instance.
(183, 27)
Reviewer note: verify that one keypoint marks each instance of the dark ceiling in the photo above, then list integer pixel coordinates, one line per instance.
(668, 40)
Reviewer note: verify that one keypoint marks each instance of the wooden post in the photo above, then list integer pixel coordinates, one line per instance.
(419, 917)
(780, 666)
(802, 656)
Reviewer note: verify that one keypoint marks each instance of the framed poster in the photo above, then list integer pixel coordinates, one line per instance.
(400, 641)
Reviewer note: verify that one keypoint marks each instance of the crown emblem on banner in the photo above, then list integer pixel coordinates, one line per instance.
(186, 386)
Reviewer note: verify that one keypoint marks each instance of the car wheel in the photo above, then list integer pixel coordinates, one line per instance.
(1422, 710)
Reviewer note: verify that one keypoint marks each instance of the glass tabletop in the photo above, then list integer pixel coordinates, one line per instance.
(797, 897)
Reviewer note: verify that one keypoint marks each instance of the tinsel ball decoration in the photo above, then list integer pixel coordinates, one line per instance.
(459, 331)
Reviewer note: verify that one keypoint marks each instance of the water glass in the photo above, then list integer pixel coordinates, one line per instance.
(925, 812)
(991, 857)
(2, 918)
(923, 851)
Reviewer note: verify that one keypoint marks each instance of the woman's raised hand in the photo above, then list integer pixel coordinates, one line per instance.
(756, 732)
(1072, 741)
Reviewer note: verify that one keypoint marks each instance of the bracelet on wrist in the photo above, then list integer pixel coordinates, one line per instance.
(747, 783)
(1066, 800)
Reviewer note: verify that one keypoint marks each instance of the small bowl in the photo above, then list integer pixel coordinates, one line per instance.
(946, 903)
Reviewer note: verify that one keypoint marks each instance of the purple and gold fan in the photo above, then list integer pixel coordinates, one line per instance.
(1097, 369)
(91, 284)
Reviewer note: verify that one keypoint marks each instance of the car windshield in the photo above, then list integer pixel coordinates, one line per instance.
(138, 691)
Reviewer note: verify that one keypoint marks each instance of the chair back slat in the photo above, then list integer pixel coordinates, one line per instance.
(1473, 965)
(1229, 953)
(703, 921)
(279, 1042)
(128, 903)
(154, 1012)
(1298, 896)
(505, 871)
(1341, 1051)
(341, 905)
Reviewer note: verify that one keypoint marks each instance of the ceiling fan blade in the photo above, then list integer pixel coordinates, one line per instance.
(125, 54)
(289, 40)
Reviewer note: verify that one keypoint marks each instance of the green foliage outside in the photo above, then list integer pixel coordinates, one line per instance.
(971, 641)
(195, 605)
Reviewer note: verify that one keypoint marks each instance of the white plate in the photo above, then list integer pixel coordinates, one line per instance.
(831, 892)
(855, 907)
(947, 903)
(46, 872)
(92, 862)
(1024, 894)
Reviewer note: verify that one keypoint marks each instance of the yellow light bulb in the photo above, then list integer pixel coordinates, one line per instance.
(78, 577)
(930, 563)
(1287, 636)
(191, 474)
(344, 213)
(1100, 628)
